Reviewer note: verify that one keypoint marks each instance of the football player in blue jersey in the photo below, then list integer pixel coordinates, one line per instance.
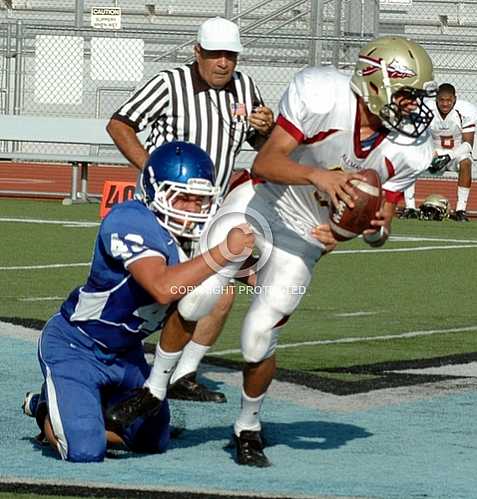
(91, 352)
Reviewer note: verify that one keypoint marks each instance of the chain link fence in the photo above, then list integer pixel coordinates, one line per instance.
(52, 63)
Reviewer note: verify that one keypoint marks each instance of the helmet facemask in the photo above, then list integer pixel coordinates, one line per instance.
(410, 123)
(160, 196)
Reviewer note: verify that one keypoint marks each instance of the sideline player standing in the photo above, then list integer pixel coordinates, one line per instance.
(378, 120)
(452, 129)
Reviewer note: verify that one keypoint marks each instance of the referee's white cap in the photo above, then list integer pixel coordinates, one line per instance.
(218, 33)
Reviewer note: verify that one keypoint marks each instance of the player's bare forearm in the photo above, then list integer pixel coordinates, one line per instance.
(389, 209)
(167, 284)
(468, 137)
(274, 164)
(127, 142)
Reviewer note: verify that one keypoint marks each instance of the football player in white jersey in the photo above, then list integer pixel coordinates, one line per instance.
(452, 132)
(330, 127)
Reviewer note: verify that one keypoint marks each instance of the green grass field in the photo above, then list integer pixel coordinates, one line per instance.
(423, 282)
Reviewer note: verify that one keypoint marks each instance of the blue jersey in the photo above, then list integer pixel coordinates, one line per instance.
(111, 307)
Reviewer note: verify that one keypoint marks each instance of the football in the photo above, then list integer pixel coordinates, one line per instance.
(347, 223)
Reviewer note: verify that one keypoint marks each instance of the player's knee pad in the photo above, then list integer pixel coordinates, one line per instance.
(225, 302)
(258, 344)
(196, 305)
(202, 299)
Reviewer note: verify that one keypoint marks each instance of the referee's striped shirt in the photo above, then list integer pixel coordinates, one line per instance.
(179, 105)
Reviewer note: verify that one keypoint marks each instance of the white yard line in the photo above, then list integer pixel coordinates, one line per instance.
(40, 267)
(43, 298)
(411, 334)
(396, 238)
(72, 223)
(355, 314)
(404, 250)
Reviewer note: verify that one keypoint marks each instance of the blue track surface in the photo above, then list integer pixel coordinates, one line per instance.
(420, 449)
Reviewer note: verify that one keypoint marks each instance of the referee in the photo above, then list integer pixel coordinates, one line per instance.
(214, 106)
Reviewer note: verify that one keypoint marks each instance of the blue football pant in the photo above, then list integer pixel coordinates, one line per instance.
(82, 379)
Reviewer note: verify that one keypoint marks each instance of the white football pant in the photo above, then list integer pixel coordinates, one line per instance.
(284, 271)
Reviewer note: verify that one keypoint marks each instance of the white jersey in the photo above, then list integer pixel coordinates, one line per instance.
(319, 110)
(469, 109)
(447, 132)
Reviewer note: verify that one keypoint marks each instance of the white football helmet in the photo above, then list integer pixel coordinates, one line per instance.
(434, 207)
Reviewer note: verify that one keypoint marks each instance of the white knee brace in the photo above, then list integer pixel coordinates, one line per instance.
(260, 332)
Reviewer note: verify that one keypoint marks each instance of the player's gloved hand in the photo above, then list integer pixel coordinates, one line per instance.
(439, 163)
(239, 243)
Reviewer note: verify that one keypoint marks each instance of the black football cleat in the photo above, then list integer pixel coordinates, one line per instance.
(141, 403)
(187, 388)
(34, 405)
(249, 447)
(460, 216)
(30, 404)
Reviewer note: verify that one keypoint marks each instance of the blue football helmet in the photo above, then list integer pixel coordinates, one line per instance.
(178, 168)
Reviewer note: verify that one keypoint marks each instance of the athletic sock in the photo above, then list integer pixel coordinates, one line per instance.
(462, 197)
(192, 356)
(409, 197)
(249, 417)
(164, 363)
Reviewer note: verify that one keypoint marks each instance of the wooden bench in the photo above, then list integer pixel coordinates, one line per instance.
(18, 129)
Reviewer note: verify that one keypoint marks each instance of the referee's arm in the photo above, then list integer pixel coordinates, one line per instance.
(134, 115)
(126, 140)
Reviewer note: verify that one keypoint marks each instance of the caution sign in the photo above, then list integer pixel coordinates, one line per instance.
(115, 192)
(106, 17)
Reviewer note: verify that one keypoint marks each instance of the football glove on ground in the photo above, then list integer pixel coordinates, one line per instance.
(439, 163)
